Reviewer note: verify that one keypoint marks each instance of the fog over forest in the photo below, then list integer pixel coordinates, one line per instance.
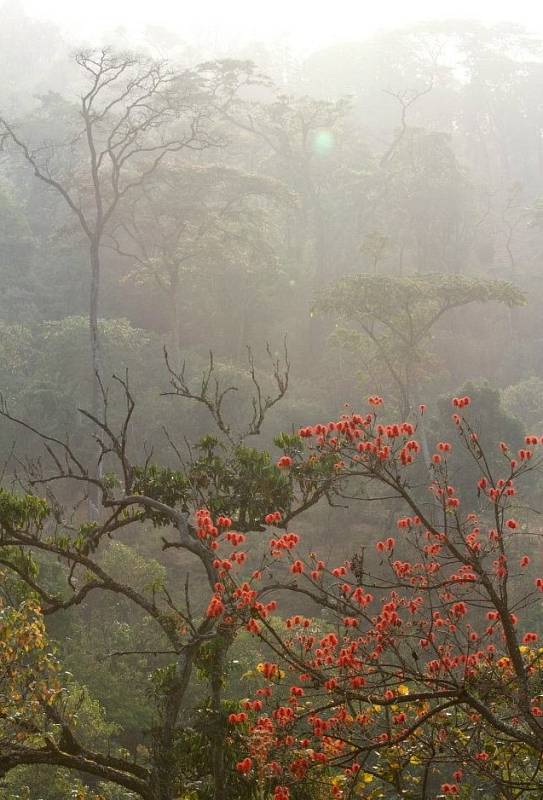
(271, 402)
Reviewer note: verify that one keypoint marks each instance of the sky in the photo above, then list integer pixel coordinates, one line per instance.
(306, 24)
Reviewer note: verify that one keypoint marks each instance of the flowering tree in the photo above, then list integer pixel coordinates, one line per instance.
(419, 674)
(235, 482)
(425, 677)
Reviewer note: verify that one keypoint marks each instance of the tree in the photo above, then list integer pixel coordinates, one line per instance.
(189, 224)
(297, 135)
(427, 669)
(238, 483)
(45, 374)
(423, 670)
(134, 114)
(29, 683)
(422, 194)
(395, 317)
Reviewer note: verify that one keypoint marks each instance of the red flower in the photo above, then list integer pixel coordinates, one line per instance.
(445, 447)
(253, 626)
(245, 766)
(461, 402)
(215, 607)
(459, 609)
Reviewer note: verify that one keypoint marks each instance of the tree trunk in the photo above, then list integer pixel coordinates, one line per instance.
(96, 360)
(218, 765)
(174, 317)
(164, 772)
(242, 334)
(93, 323)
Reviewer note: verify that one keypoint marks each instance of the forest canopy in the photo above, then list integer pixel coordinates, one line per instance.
(271, 410)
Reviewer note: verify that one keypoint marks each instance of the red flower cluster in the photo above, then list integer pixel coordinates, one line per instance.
(245, 766)
(461, 402)
(215, 607)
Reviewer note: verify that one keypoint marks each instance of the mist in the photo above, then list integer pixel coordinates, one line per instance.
(271, 400)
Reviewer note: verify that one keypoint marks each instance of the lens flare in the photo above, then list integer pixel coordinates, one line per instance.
(323, 142)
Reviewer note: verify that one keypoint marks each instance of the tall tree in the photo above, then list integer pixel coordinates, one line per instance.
(133, 114)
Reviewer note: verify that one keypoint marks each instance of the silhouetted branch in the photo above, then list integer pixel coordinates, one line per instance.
(212, 393)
